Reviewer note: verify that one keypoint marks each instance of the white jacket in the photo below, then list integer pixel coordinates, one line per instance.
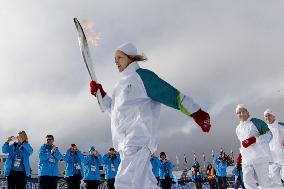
(135, 107)
(276, 144)
(258, 152)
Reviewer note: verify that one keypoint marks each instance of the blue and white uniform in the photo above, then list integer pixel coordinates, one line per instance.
(18, 157)
(221, 167)
(73, 162)
(111, 165)
(166, 170)
(48, 162)
(92, 165)
(156, 164)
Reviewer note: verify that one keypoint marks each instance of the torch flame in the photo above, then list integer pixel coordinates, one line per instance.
(92, 36)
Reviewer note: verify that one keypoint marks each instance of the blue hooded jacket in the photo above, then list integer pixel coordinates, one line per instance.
(156, 164)
(48, 163)
(236, 173)
(25, 151)
(108, 161)
(92, 167)
(221, 169)
(166, 169)
(73, 160)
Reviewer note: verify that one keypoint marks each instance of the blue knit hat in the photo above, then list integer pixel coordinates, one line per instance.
(92, 148)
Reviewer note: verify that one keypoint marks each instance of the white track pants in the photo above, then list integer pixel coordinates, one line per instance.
(276, 170)
(258, 173)
(135, 169)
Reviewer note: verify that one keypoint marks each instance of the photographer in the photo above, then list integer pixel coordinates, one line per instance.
(73, 172)
(166, 170)
(196, 175)
(221, 171)
(111, 160)
(49, 155)
(17, 166)
(92, 163)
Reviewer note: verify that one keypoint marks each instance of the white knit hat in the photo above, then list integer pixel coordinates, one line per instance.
(239, 106)
(268, 111)
(128, 48)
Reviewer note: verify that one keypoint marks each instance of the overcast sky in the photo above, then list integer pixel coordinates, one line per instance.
(220, 53)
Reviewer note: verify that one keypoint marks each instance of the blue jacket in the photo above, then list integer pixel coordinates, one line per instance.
(25, 151)
(70, 161)
(48, 163)
(156, 164)
(92, 167)
(166, 169)
(221, 169)
(108, 161)
(236, 172)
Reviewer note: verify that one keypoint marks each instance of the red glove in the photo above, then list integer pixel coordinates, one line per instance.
(94, 88)
(246, 143)
(202, 119)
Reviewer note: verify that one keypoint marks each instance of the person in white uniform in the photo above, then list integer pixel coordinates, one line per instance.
(276, 146)
(254, 136)
(134, 109)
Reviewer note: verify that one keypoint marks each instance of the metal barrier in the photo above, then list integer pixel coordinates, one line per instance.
(33, 184)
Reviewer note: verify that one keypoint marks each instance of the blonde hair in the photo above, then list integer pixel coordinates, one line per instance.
(137, 57)
(24, 134)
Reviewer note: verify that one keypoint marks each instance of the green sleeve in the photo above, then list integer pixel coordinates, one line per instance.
(161, 91)
(261, 126)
